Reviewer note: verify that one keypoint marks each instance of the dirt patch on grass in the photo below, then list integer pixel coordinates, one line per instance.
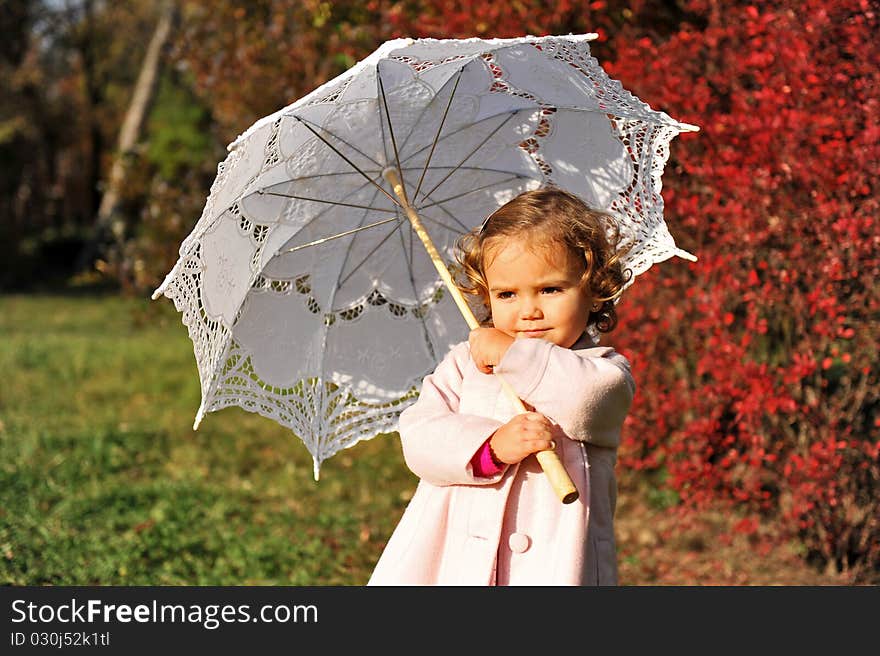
(658, 547)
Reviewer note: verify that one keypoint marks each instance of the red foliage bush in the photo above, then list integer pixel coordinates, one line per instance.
(776, 407)
(757, 365)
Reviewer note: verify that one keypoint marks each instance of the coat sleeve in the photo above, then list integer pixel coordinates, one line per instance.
(592, 388)
(438, 441)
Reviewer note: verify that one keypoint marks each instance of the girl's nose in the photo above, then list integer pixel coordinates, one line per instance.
(530, 309)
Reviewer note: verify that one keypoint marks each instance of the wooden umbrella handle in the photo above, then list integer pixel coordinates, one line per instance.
(549, 461)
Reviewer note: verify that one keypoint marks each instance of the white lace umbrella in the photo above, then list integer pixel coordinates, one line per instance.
(306, 296)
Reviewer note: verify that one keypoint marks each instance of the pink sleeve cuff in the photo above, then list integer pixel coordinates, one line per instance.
(482, 463)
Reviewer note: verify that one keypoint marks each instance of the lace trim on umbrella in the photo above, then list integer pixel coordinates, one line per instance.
(639, 207)
(332, 94)
(532, 145)
(420, 65)
(610, 93)
(646, 134)
(325, 416)
(210, 337)
(272, 156)
(302, 285)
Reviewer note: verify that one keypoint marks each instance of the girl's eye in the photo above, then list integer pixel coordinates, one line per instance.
(551, 290)
(504, 295)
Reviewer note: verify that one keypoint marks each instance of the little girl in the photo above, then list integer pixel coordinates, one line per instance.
(546, 268)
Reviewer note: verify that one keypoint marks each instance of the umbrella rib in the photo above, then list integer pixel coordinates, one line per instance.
(336, 136)
(412, 281)
(414, 168)
(428, 104)
(339, 280)
(470, 154)
(462, 226)
(650, 121)
(322, 175)
(471, 191)
(333, 298)
(367, 257)
(468, 126)
(329, 202)
(352, 164)
(324, 211)
(468, 168)
(341, 234)
(410, 234)
(391, 132)
(436, 136)
(381, 122)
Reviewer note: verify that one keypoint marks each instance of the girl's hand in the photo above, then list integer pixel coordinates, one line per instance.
(523, 435)
(488, 346)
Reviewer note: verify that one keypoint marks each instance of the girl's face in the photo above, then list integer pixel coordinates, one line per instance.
(535, 291)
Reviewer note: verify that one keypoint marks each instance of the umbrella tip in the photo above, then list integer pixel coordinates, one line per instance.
(199, 415)
(685, 255)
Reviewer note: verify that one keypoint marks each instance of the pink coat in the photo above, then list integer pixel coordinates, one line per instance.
(511, 529)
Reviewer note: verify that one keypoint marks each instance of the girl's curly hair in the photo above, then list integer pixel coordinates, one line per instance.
(551, 215)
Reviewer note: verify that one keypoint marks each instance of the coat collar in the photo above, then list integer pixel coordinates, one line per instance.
(585, 341)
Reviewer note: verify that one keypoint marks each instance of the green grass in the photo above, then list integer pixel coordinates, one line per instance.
(104, 482)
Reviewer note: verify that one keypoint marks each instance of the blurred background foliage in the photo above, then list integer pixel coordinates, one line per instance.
(757, 366)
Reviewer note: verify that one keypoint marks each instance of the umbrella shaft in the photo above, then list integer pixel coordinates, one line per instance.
(392, 177)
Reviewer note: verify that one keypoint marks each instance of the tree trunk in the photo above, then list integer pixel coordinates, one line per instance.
(129, 134)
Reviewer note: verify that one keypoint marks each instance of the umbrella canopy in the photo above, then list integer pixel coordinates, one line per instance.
(306, 295)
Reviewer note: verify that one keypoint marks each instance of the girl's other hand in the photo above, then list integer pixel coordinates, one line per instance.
(523, 435)
(488, 346)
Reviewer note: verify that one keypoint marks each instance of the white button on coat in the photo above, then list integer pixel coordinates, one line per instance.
(518, 542)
